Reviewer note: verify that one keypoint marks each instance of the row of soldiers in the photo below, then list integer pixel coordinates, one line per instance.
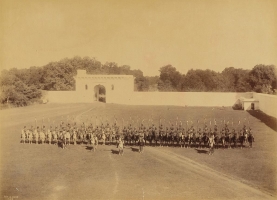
(67, 134)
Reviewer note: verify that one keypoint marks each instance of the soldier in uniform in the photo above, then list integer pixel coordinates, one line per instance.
(120, 147)
(103, 137)
(141, 142)
(74, 137)
(42, 136)
(246, 137)
(92, 142)
(250, 138)
(23, 135)
(235, 138)
(108, 133)
(200, 136)
(36, 135)
(211, 144)
(55, 136)
(49, 135)
(30, 135)
(223, 136)
(67, 137)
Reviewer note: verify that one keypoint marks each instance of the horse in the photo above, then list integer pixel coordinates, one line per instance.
(136, 138)
(179, 138)
(171, 139)
(241, 140)
(216, 141)
(235, 139)
(74, 137)
(146, 135)
(129, 138)
(167, 138)
(23, 136)
(222, 139)
(228, 140)
(55, 137)
(49, 137)
(250, 139)
(205, 140)
(156, 137)
(246, 138)
(200, 140)
(188, 140)
(193, 139)
(112, 136)
(163, 138)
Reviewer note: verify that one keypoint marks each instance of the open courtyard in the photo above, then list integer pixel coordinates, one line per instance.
(30, 171)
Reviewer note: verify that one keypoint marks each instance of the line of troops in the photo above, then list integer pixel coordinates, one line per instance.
(175, 136)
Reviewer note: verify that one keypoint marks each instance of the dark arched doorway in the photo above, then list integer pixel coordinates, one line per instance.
(100, 93)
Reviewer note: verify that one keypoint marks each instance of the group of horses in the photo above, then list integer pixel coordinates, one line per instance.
(151, 136)
(179, 137)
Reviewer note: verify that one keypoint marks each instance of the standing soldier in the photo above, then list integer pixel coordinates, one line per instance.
(229, 136)
(103, 137)
(29, 136)
(241, 138)
(235, 138)
(246, 138)
(223, 138)
(42, 136)
(92, 142)
(36, 135)
(120, 146)
(250, 138)
(200, 136)
(95, 141)
(125, 135)
(55, 136)
(108, 133)
(23, 135)
(211, 144)
(74, 137)
(67, 136)
(141, 142)
(49, 135)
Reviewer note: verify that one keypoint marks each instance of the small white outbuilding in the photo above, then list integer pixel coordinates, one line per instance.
(249, 103)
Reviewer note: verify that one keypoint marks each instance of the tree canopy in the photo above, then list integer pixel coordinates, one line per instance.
(262, 78)
(21, 87)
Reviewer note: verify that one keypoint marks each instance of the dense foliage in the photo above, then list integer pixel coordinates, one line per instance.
(262, 78)
(20, 87)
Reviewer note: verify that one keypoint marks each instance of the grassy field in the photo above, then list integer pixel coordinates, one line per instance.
(48, 172)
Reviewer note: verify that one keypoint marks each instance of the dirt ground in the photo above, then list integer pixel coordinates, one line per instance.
(30, 171)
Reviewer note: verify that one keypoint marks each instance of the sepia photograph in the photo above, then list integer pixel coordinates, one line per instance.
(138, 99)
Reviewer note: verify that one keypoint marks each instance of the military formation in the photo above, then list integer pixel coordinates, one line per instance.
(174, 135)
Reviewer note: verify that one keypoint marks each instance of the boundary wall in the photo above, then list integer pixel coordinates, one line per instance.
(267, 103)
(185, 98)
(152, 98)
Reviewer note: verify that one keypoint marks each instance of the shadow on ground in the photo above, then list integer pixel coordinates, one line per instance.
(271, 122)
(114, 151)
(135, 149)
(89, 148)
(201, 151)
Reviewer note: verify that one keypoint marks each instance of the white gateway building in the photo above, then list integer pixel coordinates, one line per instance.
(105, 88)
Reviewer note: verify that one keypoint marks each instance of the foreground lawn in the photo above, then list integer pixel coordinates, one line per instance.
(48, 172)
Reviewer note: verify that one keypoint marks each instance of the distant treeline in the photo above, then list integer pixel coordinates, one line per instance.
(21, 87)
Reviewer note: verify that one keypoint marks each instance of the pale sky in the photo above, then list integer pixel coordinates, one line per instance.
(145, 34)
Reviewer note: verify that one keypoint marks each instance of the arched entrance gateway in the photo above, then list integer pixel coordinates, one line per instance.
(100, 93)
(103, 88)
